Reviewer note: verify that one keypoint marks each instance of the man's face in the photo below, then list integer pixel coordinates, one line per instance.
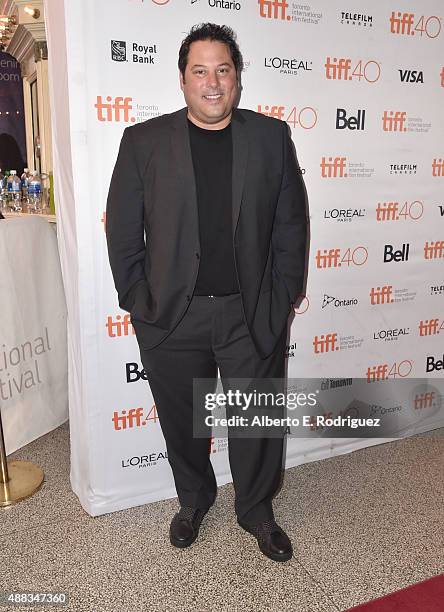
(210, 86)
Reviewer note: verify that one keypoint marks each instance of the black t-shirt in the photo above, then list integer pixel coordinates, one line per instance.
(212, 153)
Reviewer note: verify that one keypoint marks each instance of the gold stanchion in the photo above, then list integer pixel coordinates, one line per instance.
(18, 479)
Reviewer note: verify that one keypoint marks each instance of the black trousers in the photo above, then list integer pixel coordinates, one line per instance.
(213, 334)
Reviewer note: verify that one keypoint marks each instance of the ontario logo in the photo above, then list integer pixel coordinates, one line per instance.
(281, 10)
(346, 69)
(409, 24)
(330, 300)
(305, 117)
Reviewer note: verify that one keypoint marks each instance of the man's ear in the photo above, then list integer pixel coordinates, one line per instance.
(181, 80)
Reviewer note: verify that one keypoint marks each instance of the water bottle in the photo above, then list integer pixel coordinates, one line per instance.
(34, 192)
(14, 191)
(24, 184)
(2, 190)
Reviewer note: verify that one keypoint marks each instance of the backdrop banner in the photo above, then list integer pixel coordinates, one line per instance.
(33, 362)
(363, 93)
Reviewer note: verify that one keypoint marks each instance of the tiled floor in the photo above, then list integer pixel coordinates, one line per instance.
(362, 525)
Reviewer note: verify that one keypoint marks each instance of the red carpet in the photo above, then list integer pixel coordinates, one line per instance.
(427, 596)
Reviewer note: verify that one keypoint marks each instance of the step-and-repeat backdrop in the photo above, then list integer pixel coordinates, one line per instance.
(362, 88)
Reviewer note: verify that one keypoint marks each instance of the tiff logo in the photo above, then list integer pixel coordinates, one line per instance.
(274, 9)
(434, 250)
(128, 421)
(430, 327)
(438, 167)
(333, 168)
(378, 372)
(274, 111)
(442, 76)
(402, 23)
(394, 121)
(424, 400)
(325, 343)
(381, 295)
(118, 327)
(109, 111)
(328, 259)
(338, 69)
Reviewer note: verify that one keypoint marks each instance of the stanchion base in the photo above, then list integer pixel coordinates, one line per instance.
(25, 478)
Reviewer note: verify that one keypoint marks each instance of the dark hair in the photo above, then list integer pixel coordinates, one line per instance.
(210, 31)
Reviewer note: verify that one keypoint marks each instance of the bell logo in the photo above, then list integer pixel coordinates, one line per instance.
(118, 327)
(394, 121)
(381, 295)
(404, 24)
(341, 69)
(333, 167)
(325, 343)
(430, 327)
(434, 364)
(352, 123)
(434, 250)
(390, 254)
(274, 9)
(438, 167)
(109, 111)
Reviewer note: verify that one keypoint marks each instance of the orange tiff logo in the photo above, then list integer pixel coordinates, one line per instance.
(118, 327)
(394, 121)
(383, 371)
(332, 258)
(424, 400)
(404, 24)
(430, 327)
(129, 419)
(325, 343)
(119, 110)
(434, 249)
(342, 69)
(305, 117)
(394, 211)
(333, 167)
(381, 295)
(438, 167)
(274, 9)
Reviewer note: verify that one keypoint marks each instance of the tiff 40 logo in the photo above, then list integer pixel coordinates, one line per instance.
(395, 211)
(408, 24)
(384, 371)
(345, 69)
(333, 258)
(305, 117)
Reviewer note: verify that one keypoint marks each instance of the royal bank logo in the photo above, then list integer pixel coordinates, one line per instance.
(118, 50)
(138, 54)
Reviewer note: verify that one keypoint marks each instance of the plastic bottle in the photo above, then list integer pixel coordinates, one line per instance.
(35, 192)
(14, 191)
(24, 183)
(2, 190)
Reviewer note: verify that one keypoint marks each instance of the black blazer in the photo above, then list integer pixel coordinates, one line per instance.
(153, 191)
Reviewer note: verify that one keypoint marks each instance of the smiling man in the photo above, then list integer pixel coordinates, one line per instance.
(206, 231)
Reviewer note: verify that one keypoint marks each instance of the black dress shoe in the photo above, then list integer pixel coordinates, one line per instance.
(272, 540)
(184, 527)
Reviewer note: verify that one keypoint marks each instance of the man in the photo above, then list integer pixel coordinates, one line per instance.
(218, 194)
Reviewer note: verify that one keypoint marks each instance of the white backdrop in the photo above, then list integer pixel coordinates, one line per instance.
(363, 94)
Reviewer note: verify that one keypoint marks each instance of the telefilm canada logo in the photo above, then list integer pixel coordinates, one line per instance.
(121, 51)
(356, 19)
(403, 168)
(281, 10)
